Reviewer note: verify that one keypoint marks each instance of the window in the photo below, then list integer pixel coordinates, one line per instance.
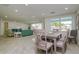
(36, 26)
(67, 23)
(55, 24)
(62, 23)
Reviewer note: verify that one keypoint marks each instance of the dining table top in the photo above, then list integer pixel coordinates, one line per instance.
(52, 35)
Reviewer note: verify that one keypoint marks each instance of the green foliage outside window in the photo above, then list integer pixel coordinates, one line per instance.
(57, 24)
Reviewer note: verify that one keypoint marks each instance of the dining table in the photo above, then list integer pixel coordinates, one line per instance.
(53, 36)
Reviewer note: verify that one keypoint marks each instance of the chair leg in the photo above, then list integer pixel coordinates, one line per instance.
(65, 46)
(52, 49)
(76, 41)
(46, 51)
(69, 41)
(63, 50)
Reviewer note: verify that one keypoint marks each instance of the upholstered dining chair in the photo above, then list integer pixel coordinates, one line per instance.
(73, 36)
(43, 45)
(62, 43)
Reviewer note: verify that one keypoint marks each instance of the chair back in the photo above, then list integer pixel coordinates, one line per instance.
(73, 33)
(39, 38)
(64, 36)
(42, 34)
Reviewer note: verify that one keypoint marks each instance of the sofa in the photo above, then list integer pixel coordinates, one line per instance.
(27, 32)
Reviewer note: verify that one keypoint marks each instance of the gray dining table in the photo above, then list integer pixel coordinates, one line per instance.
(53, 36)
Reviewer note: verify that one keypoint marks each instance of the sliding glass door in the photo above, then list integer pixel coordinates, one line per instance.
(62, 23)
(55, 24)
(67, 23)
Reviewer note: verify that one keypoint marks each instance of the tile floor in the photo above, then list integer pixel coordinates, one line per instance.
(26, 45)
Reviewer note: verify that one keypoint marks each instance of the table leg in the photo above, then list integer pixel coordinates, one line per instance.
(54, 45)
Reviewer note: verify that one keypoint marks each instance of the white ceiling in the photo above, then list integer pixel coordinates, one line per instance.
(35, 12)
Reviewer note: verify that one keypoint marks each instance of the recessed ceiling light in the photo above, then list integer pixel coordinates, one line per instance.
(66, 8)
(5, 16)
(16, 10)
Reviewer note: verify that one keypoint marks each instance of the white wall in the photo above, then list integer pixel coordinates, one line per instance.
(77, 23)
(1, 27)
(13, 25)
(74, 20)
(47, 25)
